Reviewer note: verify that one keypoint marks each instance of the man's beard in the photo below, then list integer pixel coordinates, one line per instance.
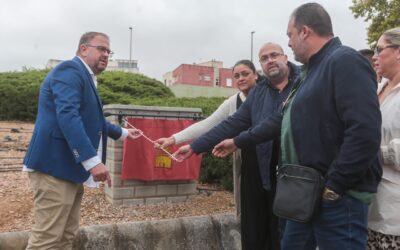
(274, 73)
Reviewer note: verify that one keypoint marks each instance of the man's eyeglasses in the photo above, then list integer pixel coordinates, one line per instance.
(273, 56)
(243, 73)
(102, 49)
(378, 49)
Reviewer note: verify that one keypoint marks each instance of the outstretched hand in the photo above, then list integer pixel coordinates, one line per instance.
(134, 133)
(224, 148)
(183, 153)
(164, 142)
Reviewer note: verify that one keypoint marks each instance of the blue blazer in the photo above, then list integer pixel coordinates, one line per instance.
(69, 124)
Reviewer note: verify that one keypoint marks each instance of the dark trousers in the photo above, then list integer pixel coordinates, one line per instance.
(340, 224)
(259, 227)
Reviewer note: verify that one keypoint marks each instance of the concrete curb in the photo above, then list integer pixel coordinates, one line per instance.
(202, 232)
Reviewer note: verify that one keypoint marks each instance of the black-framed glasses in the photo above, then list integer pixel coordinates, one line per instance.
(378, 49)
(102, 49)
(271, 57)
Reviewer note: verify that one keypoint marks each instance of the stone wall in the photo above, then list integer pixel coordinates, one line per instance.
(219, 232)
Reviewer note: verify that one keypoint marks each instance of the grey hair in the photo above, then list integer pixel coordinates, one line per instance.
(392, 36)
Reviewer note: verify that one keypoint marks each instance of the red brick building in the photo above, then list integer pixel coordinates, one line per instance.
(207, 74)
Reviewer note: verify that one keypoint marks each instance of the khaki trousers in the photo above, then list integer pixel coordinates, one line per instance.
(56, 210)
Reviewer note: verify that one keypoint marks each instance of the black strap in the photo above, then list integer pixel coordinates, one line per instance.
(295, 86)
(238, 101)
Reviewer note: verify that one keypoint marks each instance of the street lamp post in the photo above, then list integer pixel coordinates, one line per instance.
(252, 33)
(130, 49)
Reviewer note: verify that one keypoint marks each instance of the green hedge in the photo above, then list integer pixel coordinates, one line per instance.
(217, 170)
(19, 93)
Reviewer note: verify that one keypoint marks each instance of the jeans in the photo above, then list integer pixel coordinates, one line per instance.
(340, 224)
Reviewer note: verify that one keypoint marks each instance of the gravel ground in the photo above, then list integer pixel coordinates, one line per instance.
(16, 197)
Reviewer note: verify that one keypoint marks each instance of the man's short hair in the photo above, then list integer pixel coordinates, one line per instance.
(88, 36)
(367, 53)
(314, 16)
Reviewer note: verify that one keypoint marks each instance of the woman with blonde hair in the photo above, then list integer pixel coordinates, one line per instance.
(384, 219)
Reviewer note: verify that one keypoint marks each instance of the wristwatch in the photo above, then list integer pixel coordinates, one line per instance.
(330, 195)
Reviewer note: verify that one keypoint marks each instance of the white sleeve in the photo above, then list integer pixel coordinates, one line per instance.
(91, 162)
(124, 134)
(391, 153)
(196, 130)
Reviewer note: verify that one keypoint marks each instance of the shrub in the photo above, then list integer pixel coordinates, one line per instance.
(216, 170)
(19, 92)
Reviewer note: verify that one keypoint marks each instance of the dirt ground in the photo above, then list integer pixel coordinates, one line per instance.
(16, 197)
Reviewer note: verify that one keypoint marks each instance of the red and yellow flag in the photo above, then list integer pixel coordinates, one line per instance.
(141, 161)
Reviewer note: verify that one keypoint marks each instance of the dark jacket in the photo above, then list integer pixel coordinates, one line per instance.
(262, 101)
(335, 120)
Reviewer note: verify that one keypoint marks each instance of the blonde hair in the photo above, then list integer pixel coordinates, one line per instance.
(392, 36)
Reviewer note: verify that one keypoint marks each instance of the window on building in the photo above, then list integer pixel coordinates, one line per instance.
(228, 82)
(207, 78)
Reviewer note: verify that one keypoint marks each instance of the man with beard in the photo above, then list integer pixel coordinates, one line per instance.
(331, 123)
(68, 143)
(260, 227)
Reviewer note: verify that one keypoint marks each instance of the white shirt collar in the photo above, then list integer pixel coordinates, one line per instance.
(90, 71)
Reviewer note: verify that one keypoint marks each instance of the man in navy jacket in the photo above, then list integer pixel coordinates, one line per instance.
(261, 228)
(331, 123)
(63, 153)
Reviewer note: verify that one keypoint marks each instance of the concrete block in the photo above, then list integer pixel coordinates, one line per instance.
(129, 183)
(229, 230)
(157, 182)
(114, 154)
(114, 166)
(116, 180)
(200, 233)
(177, 198)
(104, 235)
(155, 200)
(114, 144)
(167, 189)
(157, 235)
(14, 240)
(181, 182)
(219, 232)
(145, 191)
(120, 193)
(113, 119)
(133, 202)
(190, 188)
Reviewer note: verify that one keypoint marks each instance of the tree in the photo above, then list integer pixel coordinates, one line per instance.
(382, 14)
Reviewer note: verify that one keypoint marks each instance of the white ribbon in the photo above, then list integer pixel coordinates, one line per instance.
(150, 140)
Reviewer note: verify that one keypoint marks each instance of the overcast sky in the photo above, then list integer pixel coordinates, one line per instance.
(166, 33)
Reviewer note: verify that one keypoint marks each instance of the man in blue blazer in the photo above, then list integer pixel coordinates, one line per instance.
(68, 143)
